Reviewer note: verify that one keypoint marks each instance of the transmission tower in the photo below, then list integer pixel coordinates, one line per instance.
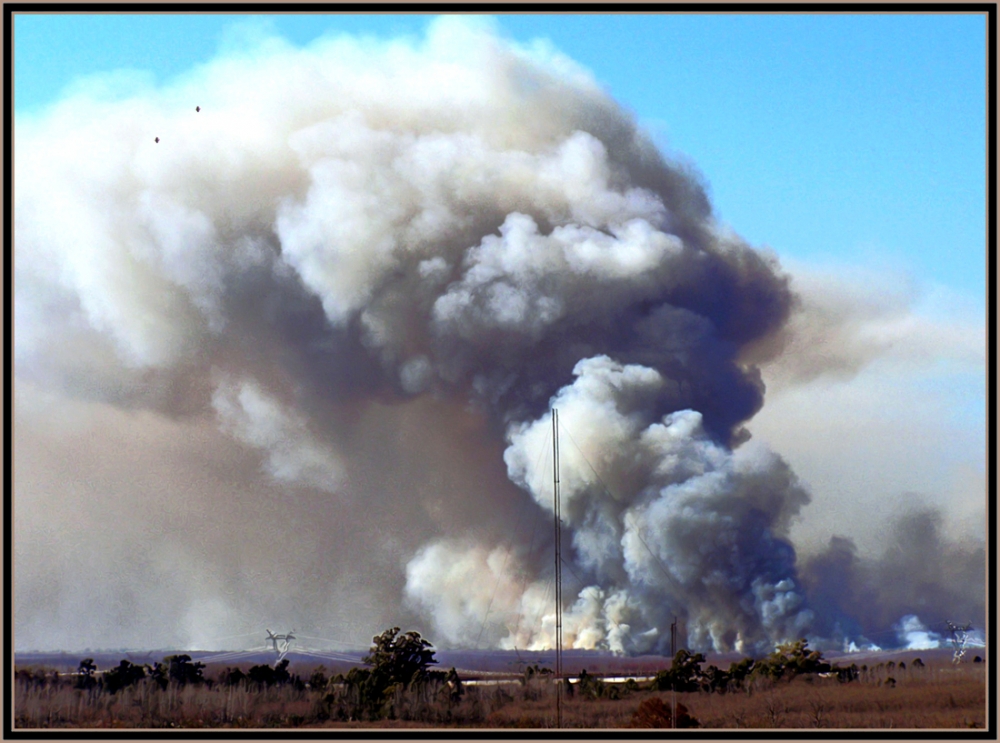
(959, 638)
(286, 642)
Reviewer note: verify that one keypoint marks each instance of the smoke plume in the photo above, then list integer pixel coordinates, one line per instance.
(294, 362)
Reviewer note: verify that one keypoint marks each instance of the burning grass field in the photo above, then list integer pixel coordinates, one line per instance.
(891, 692)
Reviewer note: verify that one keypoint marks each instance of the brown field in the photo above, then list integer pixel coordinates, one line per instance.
(939, 695)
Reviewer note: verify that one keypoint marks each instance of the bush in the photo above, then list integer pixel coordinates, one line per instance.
(86, 678)
(790, 660)
(232, 677)
(684, 673)
(716, 680)
(264, 675)
(591, 687)
(400, 659)
(318, 680)
(655, 713)
(183, 671)
(126, 674)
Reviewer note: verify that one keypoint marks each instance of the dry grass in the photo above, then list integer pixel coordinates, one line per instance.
(938, 696)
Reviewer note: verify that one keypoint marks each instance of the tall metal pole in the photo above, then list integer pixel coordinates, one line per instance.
(558, 537)
(673, 690)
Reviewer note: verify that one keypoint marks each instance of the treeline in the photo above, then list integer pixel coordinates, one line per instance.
(179, 670)
(398, 682)
(785, 663)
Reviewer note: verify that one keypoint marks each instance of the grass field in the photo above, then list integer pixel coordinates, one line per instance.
(937, 695)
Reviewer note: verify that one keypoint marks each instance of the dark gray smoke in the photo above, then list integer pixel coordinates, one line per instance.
(919, 572)
(293, 363)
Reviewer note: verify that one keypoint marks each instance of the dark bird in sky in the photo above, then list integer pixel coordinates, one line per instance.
(197, 108)
(157, 140)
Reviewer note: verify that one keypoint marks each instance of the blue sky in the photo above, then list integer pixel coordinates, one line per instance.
(831, 138)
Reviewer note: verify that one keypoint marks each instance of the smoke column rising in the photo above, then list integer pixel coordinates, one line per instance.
(319, 327)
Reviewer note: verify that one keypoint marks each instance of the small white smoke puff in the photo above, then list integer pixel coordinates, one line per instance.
(915, 635)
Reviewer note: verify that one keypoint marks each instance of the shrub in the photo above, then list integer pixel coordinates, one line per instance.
(126, 674)
(790, 660)
(232, 677)
(715, 680)
(183, 671)
(264, 675)
(400, 659)
(318, 680)
(455, 688)
(684, 673)
(86, 678)
(740, 671)
(655, 713)
(590, 687)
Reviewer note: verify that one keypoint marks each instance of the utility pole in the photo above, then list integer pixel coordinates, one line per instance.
(558, 545)
(673, 690)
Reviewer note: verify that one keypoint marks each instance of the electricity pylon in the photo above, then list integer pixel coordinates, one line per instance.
(959, 638)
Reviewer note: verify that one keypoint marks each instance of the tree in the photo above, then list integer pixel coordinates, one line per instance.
(396, 662)
(590, 687)
(158, 673)
(790, 660)
(318, 680)
(126, 674)
(177, 668)
(684, 673)
(232, 676)
(86, 678)
(264, 675)
(716, 680)
(400, 659)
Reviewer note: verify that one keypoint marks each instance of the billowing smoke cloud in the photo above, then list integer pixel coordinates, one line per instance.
(907, 593)
(676, 524)
(300, 353)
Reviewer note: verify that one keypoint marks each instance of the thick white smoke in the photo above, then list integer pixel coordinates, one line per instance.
(915, 635)
(663, 520)
(302, 350)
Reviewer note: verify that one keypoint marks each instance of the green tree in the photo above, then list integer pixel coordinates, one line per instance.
(716, 680)
(790, 660)
(684, 673)
(396, 662)
(400, 658)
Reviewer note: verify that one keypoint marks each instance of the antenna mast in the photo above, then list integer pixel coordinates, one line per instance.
(558, 519)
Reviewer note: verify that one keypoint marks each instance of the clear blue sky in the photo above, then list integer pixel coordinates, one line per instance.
(831, 138)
